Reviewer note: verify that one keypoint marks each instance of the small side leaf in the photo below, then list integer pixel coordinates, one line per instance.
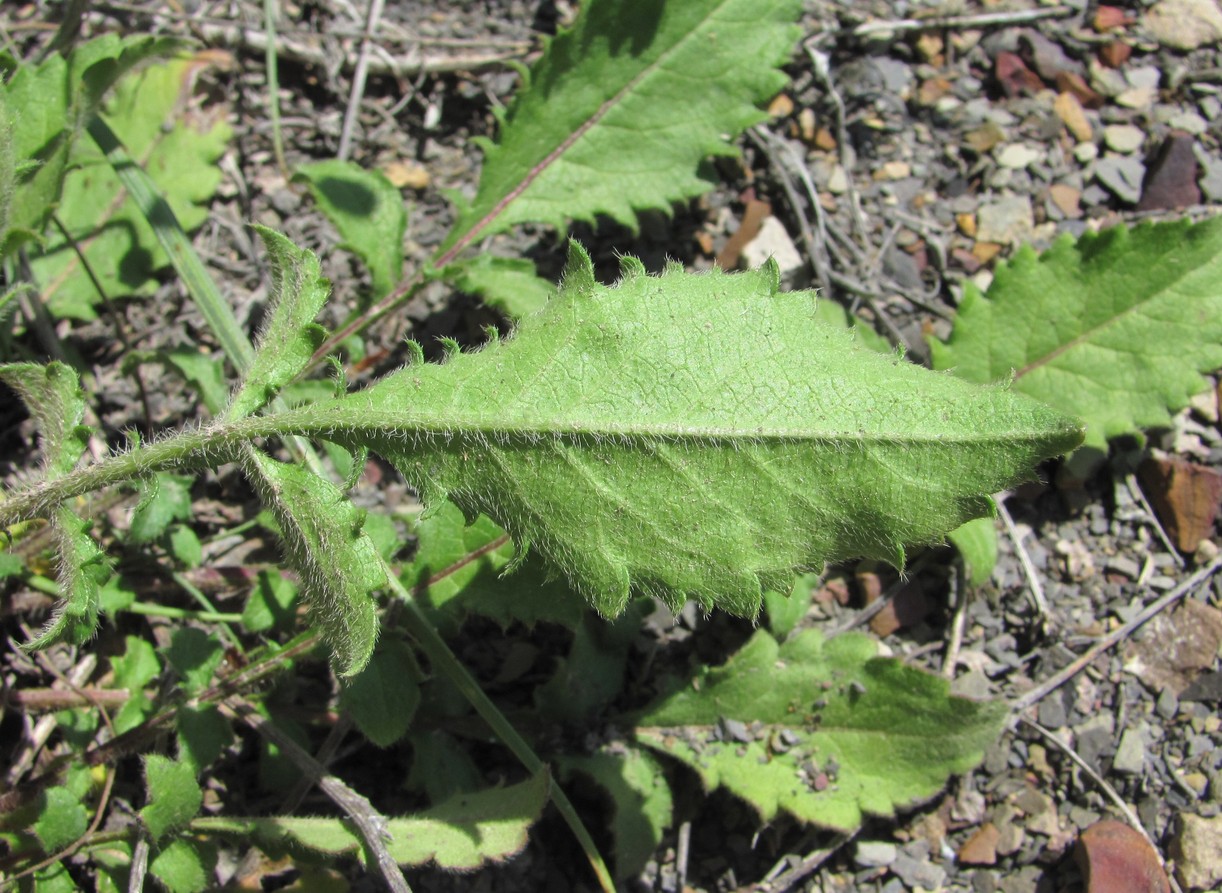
(185, 866)
(786, 611)
(324, 540)
(291, 336)
(977, 544)
(83, 569)
(194, 655)
(62, 819)
(823, 730)
(52, 395)
(367, 210)
(174, 796)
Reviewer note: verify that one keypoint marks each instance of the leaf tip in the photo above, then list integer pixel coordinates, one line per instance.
(630, 267)
(578, 269)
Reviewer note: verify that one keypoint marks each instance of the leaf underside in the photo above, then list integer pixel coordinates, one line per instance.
(1116, 327)
(821, 729)
(696, 436)
(621, 110)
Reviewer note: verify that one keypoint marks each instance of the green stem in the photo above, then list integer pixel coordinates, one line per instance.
(443, 660)
(169, 612)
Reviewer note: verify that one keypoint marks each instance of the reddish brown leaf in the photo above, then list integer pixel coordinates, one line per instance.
(1116, 859)
(1185, 496)
(1171, 176)
(755, 213)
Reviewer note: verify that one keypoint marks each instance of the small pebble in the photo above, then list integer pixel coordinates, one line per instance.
(875, 854)
(1123, 138)
(1122, 176)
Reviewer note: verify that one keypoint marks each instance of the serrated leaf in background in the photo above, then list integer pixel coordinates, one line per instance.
(185, 866)
(367, 210)
(194, 656)
(115, 236)
(270, 603)
(1117, 328)
(61, 820)
(290, 337)
(511, 285)
(821, 729)
(383, 697)
(642, 806)
(174, 796)
(461, 834)
(696, 436)
(441, 767)
(475, 585)
(43, 109)
(323, 538)
(621, 111)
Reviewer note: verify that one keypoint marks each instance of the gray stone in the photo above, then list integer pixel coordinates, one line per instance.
(1052, 712)
(1123, 138)
(1184, 24)
(1007, 221)
(774, 242)
(874, 854)
(1130, 756)
(1122, 176)
(1189, 122)
(1210, 180)
(1168, 704)
(1197, 850)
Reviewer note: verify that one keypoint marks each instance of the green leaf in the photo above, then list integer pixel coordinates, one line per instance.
(324, 540)
(511, 285)
(185, 866)
(472, 562)
(133, 671)
(43, 109)
(785, 612)
(592, 674)
(83, 568)
(194, 655)
(621, 110)
(54, 879)
(202, 735)
(367, 210)
(641, 798)
(383, 697)
(1117, 327)
(291, 336)
(174, 796)
(270, 605)
(53, 397)
(977, 544)
(117, 241)
(441, 767)
(62, 819)
(823, 730)
(164, 498)
(695, 436)
(459, 835)
(185, 546)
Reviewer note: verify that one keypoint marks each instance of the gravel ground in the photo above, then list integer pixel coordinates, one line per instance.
(933, 151)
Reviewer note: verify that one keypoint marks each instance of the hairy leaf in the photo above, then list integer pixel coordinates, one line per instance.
(291, 336)
(621, 110)
(340, 566)
(174, 796)
(368, 212)
(823, 730)
(383, 697)
(461, 834)
(1116, 327)
(977, 543)
(511, 285)
(62, 819)
(184, 866)
(696, 436)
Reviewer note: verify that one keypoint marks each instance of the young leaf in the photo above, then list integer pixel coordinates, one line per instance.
(1117, 327)
(323, 536)
(174, 796)
(83, 568)
(511, 285)
(977, 544)
(460, 835)
(185, 866)
(696, 436)
(202, 734)
(621, 110)
(383, 697)
(194, 655)
(823, 730)
(164, 498)
(643, 808)
(291, 336)
(368, 212)
(785, 611)
(62, 819)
